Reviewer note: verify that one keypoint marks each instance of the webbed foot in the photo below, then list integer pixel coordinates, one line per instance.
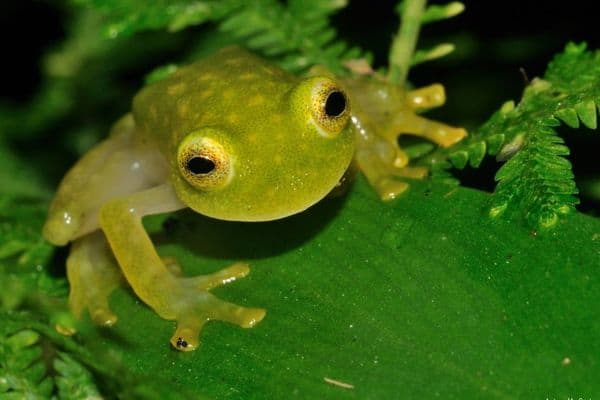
(193, 306)
(381, 120)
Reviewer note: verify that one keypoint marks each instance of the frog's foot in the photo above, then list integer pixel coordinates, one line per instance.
(193, 306)
(389, 188)
(380, 169)
(411, 123)
(93, 275)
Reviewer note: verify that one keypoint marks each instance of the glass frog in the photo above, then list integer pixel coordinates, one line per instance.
(234, 138)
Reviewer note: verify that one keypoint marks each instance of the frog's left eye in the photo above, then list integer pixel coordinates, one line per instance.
(330, 108)
(204, 162)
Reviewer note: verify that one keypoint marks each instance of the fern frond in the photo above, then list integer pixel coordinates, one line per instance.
(537, 180)
(23, 374)
(73, 380)
(20, 236)
(299, 32)
(125, 17)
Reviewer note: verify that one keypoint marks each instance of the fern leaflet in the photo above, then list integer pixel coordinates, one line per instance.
(537, 180)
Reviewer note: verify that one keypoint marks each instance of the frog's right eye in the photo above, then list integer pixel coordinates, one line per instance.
(204, 162)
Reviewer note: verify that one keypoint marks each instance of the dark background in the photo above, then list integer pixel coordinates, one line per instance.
(500, 44)
(494, 40)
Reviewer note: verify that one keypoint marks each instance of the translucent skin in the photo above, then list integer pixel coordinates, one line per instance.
(281, 152)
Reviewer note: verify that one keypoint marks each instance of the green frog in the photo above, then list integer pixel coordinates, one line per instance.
(234, 138)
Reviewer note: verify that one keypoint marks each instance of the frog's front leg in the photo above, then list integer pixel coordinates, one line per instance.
(185, 300)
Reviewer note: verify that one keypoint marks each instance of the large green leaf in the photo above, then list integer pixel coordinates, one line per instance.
(421, 297)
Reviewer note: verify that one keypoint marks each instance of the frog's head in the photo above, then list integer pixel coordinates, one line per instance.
(271, 160)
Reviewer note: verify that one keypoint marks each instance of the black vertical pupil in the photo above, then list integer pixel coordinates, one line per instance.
(335, 104)
(200, 165)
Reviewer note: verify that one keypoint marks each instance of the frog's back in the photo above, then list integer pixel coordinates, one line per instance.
(228, 87)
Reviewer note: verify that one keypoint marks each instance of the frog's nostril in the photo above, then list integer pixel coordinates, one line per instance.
(200, 165)
(335, 104)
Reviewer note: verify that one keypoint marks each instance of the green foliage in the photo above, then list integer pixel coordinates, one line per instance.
(36, 362)
(536, 181)
(22, 371)
(73, 381)
(413, 14)
(20, 238)
(130, 16)
(298, 32)
(426, 295)
(31, 369)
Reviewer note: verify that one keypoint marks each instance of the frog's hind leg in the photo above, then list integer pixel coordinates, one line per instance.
(93, 275)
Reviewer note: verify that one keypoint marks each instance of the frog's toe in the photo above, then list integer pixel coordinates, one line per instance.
(95, 301)
(245, 317)
(187, 333)
(449, 135)
(389, 188)
(222, 277)
(206, 308)
(103, 316)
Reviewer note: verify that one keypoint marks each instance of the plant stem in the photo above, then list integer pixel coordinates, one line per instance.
(403, 45)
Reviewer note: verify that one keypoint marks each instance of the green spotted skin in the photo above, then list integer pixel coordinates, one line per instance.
(263, 117)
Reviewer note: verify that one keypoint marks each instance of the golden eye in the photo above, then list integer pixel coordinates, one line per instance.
(330, 108)
(203, 162)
